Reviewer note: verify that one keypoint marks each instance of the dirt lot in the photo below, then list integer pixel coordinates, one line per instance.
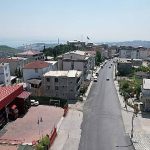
(37, 121)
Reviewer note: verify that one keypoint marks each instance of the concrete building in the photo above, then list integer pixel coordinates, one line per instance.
(76, 43)
(32, 55)
(5, 78)
(62, 84)
(145, 94)
(133, 53)
(124, 67)
(76, 60)
(14, 63)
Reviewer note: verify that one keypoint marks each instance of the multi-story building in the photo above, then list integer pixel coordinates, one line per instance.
(133, 53)
(5, 74)
(14, 63)
(62, 84)
(145, 94)
(76, 60)
(77, 44)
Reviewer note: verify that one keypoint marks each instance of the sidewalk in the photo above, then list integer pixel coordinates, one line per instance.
(69, 132)
(141, 134)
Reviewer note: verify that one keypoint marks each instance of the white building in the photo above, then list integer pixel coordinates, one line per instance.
(62, 84)
(36, 69)
(145, 94)
(5, 74)
(76, 60)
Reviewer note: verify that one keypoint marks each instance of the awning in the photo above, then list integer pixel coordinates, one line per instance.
(24, 95)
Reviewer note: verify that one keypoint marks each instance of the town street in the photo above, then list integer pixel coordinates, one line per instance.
(102, 127)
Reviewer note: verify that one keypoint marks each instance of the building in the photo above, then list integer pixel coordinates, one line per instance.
(76, 43)
(14, 101)
(124, 67)
(35, 69)
(133, 53)
(62, 84)
(15, 63)
(32, 55)
(76, 60)
(5, 78)
(145, 94)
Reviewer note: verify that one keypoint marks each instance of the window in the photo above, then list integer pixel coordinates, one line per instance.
(48, 87)
(36, 70)
(48, 79)
(56, 87)
(56, 79)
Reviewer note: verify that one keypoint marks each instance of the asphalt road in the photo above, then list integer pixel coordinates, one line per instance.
(102, 127)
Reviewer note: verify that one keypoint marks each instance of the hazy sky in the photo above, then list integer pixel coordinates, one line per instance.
(101, 20)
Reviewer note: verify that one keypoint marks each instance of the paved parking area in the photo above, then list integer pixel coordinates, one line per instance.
(37, 121)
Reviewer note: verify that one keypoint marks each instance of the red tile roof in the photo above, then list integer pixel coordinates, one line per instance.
(7, 60)
(30, 53)
(9, 93)
(36, 65)
(24, 95)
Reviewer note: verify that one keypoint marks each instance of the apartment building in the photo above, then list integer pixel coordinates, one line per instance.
(76, 60)
(145, 94)
(5, 74)
(62, 84)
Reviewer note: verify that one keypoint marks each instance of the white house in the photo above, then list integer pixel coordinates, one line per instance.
(62, 84)
(145, 94)
(5, 74)
(76, 60)
(36, 69)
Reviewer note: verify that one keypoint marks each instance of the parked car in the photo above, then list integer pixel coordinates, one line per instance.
(107, 79)
(97, 74)
(95, 79)
(34, 102)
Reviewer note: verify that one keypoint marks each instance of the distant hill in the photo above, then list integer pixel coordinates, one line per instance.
(6, 51)
(37, 46)
(136, 43)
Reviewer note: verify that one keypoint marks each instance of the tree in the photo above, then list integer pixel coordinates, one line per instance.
(98, 58)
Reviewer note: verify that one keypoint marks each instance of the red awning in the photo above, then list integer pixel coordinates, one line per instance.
(24, 95)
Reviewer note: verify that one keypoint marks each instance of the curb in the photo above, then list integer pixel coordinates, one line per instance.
(59, 124)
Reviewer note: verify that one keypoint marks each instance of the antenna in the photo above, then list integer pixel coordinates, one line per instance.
(58, 41)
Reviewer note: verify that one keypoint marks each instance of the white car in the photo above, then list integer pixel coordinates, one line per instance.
(95, 79)
(34, 102)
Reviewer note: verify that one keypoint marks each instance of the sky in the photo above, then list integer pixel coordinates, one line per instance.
(100, 20)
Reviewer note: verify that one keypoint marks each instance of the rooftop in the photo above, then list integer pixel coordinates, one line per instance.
(30, 53)
(8, 60)
(51, 62)
(146, 84)
(70, 73)
(36, 65)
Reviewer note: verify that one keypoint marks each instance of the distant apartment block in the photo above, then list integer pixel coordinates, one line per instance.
(62, 84)
(4, 74)
(76, 60)
(76, 43)
(133, 53)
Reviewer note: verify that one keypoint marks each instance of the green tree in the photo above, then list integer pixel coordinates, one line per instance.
(98, 58)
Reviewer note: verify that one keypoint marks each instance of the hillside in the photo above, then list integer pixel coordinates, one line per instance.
(6, 51)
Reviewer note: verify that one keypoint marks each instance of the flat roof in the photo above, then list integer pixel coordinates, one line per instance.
(51, 62)
(70, 73)
(146, 84)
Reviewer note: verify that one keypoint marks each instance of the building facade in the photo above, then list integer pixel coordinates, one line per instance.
(5, 74)
(62, 84)
(76, 60)
(145, 94)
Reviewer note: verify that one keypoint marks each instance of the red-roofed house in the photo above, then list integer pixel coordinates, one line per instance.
(32, 55)
(35, 69)
(13, 101)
